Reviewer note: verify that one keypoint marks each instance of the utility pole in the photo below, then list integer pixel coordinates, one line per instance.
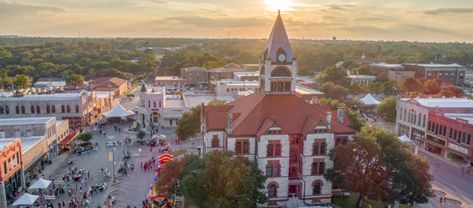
(110, 96)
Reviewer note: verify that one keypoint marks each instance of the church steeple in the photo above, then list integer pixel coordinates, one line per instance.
(278, 66)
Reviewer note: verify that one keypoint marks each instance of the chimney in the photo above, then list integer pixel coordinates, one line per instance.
(229, 123)
(341, 114)
(328, 120)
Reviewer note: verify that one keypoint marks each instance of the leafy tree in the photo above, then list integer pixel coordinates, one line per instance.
(21, 81)
(357, 122)
(362, 170)
(431, 86)
(224, 181)
(411, 84)
(5, 81)
(189, 124)
(85, 136)
(410, 177)
(75, 80)
(334, 91)
(387, 108)
(335, 75)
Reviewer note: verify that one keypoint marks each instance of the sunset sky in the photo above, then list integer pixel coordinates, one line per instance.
(422, 20)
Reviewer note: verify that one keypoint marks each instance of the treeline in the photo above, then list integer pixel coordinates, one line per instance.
(38, 57)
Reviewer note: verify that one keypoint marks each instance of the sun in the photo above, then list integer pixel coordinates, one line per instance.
(275, 5)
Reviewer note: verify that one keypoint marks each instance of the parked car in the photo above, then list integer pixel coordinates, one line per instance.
(83, 149)
(110, 144)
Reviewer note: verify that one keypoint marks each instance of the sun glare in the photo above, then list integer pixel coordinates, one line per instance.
(275, 5)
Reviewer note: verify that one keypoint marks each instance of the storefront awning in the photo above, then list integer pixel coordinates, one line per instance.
(69, 138)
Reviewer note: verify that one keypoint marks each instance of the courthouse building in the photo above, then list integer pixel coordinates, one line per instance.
(288, 137)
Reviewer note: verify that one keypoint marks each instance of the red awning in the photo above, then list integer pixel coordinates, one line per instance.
(69, 138)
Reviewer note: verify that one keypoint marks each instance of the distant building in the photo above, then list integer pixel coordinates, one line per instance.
(52, 130)
(225, 72)
(441, 125)
(195, 76)
(50, 83)
(170, 81)
(361, 79)
(451, 73)
(310, 95)
(114, 84)
(74, 107)
(227, 87)
(246, 76)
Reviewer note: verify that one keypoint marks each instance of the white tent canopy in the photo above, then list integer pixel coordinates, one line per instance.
(369, 100)
(405, 139)
(26, 199)
(40, 184)
(118, 111)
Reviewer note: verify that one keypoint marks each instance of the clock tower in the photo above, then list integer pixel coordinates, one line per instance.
(278, 67)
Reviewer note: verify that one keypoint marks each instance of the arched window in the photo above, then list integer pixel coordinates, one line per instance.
(272, 190)
(2, 111)
(32, 109)
(23, 109)
(317, 187)
(281, 72)
(48, 109)
(53, 109)
(215, 141)
(77, 108)
(63, 109)
(68, 108)
(38, 109)
(7, 109)
(17, 109)
(154, 104)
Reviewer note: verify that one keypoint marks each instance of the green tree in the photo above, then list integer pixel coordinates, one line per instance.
(361, 170)
(431, 87)
(85, 136)
(224, 181)
(334, 91)
(189, 124)
(21, 81)
(410, 177)
(5, 81)
(75, 80)
(387, 108)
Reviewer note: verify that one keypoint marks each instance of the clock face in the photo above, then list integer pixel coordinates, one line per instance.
(282, 57)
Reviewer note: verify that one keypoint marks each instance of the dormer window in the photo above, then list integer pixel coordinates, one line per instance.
(321, 129)
(274, 130)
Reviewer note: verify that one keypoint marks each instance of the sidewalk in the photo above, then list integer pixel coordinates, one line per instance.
(56, 164)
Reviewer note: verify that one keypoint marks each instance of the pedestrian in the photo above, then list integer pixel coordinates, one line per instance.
(441, 200)
(59, 204)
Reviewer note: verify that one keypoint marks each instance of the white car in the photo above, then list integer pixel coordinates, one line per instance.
(110, 144)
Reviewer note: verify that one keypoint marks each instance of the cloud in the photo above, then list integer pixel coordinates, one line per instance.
(15, 8)
(449, 11)
(340, 7)
(224, 22)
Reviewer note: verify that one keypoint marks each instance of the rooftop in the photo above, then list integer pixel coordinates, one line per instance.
(194, 100)
(237, 82)
(45, 97)
(231, 67)
(26, 143)
(195, 69)
(307, 91)
(25, 121)
(5, 142)
(434, 65)
(468, 117)
(174, 103)
(388, 65)
(167, 78)
(445, 102)
(361, 76)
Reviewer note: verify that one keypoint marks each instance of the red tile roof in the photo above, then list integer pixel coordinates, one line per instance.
(254, 114)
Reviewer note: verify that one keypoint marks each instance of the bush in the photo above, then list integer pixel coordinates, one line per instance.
(85, 136)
